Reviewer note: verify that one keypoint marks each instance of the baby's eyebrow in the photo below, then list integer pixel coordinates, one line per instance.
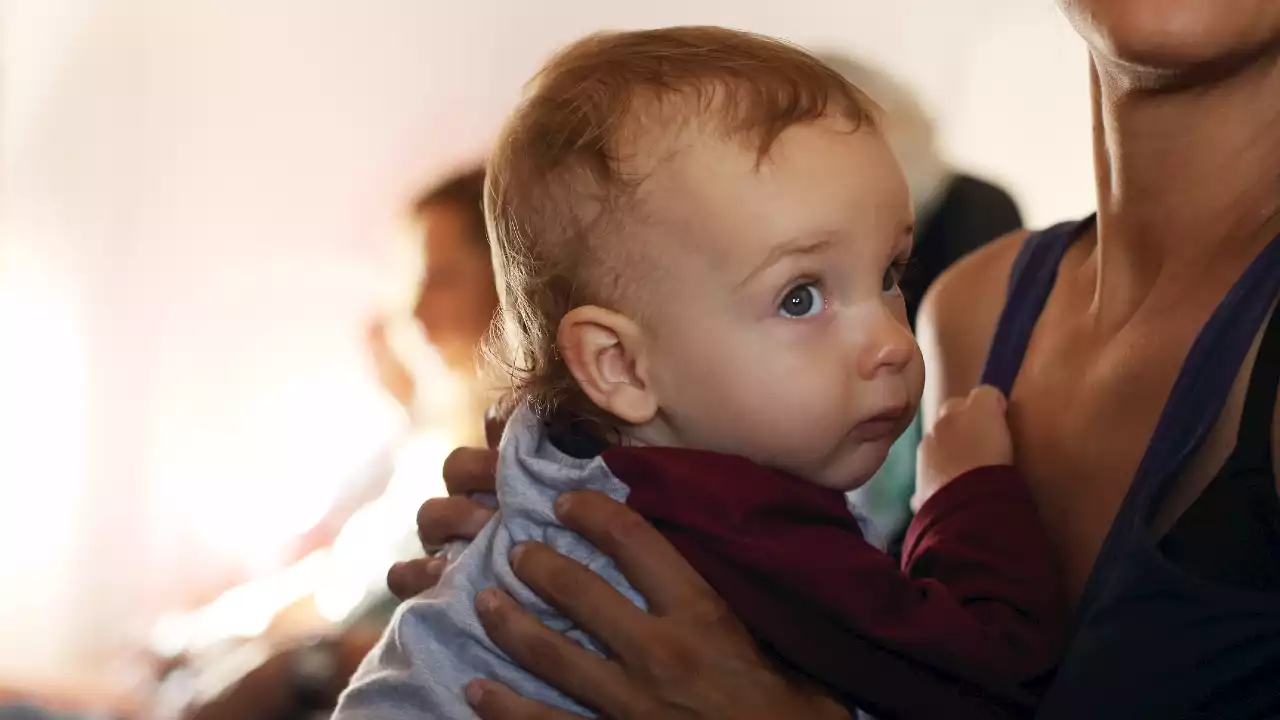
(805, 245)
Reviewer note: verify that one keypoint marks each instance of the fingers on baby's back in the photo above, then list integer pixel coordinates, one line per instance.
(469, 470)
(443, 519)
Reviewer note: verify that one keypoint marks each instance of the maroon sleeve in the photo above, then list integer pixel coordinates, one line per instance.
(961, 632)
(980, 540)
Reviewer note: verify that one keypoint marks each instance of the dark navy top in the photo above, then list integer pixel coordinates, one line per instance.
(1187, 625)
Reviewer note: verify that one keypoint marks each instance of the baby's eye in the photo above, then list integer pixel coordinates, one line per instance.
(893, 275)
(802, 301)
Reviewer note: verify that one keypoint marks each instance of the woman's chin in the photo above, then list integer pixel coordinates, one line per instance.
(1178, 40)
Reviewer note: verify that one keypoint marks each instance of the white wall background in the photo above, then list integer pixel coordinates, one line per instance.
(200, 203)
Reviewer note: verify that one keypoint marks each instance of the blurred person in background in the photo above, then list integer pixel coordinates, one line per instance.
(455, 302)
(456, 299)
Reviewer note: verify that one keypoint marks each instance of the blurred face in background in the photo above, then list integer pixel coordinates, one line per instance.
(456, 299)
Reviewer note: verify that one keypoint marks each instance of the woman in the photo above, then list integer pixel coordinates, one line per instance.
(456, 301)
(1144, 412)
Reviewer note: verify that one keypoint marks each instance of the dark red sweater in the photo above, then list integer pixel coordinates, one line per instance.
(968, 627)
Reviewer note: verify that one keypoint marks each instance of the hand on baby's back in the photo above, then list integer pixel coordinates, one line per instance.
(970, 432)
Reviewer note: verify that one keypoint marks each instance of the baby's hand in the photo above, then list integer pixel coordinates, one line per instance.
(970, 433)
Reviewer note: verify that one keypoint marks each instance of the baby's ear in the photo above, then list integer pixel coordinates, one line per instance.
(605, 351)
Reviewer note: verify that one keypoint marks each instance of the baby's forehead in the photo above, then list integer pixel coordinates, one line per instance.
(686, 222)
(694, 183)
(709, 205)
(692, 172)
(698, 177)
(687, 159)
(713, 196)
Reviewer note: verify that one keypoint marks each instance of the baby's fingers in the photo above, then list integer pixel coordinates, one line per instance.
(988, 397)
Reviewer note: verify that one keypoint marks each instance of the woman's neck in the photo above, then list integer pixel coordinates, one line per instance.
(1185, 177)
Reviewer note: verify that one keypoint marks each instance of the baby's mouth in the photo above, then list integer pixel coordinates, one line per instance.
(879, 426)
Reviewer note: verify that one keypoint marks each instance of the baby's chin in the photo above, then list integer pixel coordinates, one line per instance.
(853, 467)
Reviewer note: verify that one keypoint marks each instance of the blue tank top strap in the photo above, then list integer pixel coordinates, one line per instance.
(1030, 282)
(1195, 402)
(1208, 374)
(1151, 639)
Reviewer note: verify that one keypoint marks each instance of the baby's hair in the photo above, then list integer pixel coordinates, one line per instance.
(564, 175)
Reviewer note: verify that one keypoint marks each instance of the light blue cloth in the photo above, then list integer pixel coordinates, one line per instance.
(435, 645)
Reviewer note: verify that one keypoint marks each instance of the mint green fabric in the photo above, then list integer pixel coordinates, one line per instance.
(885, 500)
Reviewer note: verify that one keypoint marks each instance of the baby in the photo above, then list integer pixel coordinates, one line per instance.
(698, 235)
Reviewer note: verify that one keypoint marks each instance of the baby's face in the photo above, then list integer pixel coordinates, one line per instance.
(774, 326)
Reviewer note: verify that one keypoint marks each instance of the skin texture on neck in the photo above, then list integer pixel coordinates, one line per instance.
(1188, 178)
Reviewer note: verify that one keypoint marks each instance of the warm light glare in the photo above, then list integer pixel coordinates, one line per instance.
(247, 492)
(244, 611)
(42, 445)
(379, 533)
(338, 578)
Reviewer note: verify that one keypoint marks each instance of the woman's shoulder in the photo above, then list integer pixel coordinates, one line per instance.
(958, 316)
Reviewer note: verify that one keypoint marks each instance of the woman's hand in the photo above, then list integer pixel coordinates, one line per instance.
(466, 470)
(688, 657)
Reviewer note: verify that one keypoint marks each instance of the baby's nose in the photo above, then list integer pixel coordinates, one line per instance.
(889, 348)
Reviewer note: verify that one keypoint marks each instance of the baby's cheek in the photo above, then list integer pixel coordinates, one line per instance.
(794, 416)
(772, 401)
(809, 422)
